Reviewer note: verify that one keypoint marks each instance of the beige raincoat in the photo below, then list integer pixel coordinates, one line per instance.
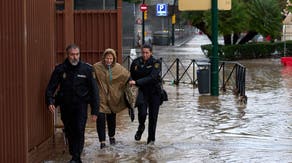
(112, 98)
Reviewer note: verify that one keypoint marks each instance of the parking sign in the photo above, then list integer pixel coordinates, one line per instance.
(161, 9)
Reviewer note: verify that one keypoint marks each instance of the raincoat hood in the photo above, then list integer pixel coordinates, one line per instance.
(109, 51)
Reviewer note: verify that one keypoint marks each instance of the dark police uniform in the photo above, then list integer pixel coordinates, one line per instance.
(77, 88)
(148, 78)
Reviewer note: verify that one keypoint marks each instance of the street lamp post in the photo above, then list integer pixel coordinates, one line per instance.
(173, 22)
(214, 58)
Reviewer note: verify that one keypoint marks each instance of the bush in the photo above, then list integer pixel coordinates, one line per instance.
(250, 50)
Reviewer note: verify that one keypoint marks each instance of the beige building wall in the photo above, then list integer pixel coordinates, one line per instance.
(287, 28)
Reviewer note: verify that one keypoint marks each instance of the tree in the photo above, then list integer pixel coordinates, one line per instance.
(232, 22)
(246, 16)
(265, 17)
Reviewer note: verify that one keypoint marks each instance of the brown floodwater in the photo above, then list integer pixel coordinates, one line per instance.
(203, 128)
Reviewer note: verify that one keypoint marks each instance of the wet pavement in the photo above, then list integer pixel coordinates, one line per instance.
(201, 128)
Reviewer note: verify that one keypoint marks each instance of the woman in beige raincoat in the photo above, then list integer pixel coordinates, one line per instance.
(111, 79)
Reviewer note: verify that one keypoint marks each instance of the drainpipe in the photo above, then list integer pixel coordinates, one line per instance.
(69, 23)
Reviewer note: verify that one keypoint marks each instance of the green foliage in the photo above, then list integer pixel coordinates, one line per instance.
(265, 17)
(250, 50)
(230, 21)
(261, 16)
(235, 20)
(289, 7)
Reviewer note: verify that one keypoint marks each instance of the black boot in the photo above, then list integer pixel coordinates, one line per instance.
(139, 133)
(150, 142)
(112, 141)
(75, 160)
(102, 145)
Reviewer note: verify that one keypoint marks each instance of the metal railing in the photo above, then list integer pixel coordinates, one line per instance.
(177, 78)
(231, 74)
(238, 72)
(127, 60)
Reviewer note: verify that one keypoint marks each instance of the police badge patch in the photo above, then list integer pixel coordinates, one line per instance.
(156, 65)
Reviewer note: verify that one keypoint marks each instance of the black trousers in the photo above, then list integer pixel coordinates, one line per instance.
(152, 103)
(74, 118)
(101, 125)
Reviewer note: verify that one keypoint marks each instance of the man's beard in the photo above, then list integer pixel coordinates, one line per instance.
(74, 62)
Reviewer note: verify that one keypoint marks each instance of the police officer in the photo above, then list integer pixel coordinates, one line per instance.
(146, 74)
(77, 88)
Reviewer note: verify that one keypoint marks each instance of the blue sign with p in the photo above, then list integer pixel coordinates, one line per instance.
(161, 9)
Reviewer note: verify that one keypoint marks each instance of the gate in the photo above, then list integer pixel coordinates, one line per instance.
(92, 29)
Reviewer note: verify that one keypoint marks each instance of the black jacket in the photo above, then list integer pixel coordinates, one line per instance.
(147, 75)
(77, 84)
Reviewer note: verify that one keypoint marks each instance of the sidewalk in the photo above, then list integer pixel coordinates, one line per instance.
(126, 147)
(177, 43)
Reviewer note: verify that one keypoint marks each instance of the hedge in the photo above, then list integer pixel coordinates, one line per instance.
(250, 50)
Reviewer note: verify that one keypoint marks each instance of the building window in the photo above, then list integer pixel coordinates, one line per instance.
(95, 4)
(59, 4)
(89, 4)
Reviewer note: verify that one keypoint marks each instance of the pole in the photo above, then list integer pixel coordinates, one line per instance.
(284, 36)
(177, 71)
(143, 26)
(214, 58)
(172, 31)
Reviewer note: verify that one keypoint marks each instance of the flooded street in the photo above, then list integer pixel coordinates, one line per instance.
(201, 128)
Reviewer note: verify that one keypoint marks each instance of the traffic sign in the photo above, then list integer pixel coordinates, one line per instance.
(143, 7)
(161, 9)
